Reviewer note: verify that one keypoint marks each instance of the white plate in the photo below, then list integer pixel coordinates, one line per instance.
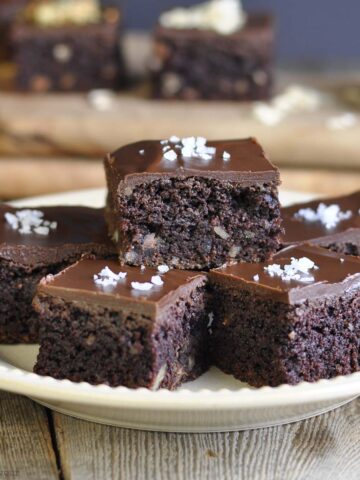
(214, 402)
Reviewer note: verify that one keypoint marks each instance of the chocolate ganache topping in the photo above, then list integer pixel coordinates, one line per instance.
(231, 160)
(325, 274)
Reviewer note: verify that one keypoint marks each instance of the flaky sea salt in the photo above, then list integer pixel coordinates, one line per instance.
(191, 147)
(141, 152)
(226, 156)
(156, 280)
(298, 270)
(143, 287)
(170, 155)
(163, 268)
(106, 277)
(29, 221)
(256, 278)
(328, 215)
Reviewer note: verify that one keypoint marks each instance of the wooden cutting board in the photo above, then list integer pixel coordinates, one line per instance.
(67, 125)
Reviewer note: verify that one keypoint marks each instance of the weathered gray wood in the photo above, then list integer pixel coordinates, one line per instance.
(325, 447)
(26, 451)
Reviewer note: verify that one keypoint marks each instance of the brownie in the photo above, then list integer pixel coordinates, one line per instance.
(332, 223)
(32, 246)
(137, 327)
(68, 55)
(9, 9)
(191, 63)
(192, 204)
(294, 319)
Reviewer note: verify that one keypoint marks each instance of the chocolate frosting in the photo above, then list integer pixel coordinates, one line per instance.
(333, 277)
(79, 230)
(76, 283)
(300, 230)
(248, 164)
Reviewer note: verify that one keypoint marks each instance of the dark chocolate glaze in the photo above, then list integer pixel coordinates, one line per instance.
(333, 277)
(300, 230)
(248, 164)
(76, 283)
(79, 229)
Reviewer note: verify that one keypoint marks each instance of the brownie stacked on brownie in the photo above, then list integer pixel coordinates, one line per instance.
(295, 318)
(213, 51)
(123, 326)
(265, 317)
(332, 223)
(34, 243)
(58, 46)
(192, 204)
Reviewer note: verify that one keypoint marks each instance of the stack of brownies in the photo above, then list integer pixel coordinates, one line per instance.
(198, 272)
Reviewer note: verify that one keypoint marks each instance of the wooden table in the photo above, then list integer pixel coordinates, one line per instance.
(36, 444)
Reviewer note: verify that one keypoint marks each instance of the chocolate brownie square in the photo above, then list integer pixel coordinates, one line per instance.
(332, 223)
(68, 46)
(296, 318)
(217, 60)
(9, 9)
(137, 327)
(192, 204)
(37, 242)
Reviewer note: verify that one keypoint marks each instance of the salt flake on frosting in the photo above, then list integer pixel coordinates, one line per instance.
(29, 221)
(156, 280)
(163, 268)
(144, 287)
(328, 215)
(298, 270)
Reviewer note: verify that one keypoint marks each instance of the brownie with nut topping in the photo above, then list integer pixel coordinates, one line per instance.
(33, 245)
(136, 327)
(293, 319)
(194, 64)
(192, 204)
(332, 223)
(76, 49)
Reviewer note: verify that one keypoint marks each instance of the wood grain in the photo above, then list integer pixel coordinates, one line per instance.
(26, 451)
(67, 125)
(325, 447)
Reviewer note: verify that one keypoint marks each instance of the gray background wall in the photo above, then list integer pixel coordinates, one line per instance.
(308, 29)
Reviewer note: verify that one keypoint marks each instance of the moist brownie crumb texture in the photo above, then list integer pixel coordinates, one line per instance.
(32, 247)
(268, 331)
(194, 213)
(120, 335)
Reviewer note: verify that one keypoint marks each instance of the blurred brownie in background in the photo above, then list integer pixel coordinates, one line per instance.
(213, 51)
(68, 46)
(9, 9)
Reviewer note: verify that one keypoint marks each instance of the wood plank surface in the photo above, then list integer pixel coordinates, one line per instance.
(67, 125)
(26, 451)
(325, 447)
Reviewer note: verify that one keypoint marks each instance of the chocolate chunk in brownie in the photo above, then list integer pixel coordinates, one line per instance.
(193, 63)
(192, 204)
(137, 327)
(68, 46)
(37, 242)
(296, 318)
(332, 223)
